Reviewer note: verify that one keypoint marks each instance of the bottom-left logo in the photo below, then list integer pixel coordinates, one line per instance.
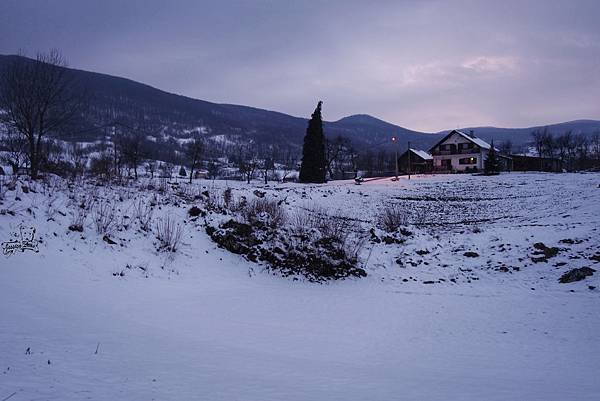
(21, 240)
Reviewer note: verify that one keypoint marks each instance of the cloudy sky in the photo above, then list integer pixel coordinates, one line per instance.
(425, 65)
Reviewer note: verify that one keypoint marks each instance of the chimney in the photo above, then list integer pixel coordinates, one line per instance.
(472, 133)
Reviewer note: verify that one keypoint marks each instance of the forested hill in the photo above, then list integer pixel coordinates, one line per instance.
(171, 118)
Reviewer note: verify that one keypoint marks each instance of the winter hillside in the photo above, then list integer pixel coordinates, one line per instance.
(167, 119)
(163, 290)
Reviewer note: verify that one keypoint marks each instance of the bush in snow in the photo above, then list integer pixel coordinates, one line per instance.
(317, 245)
(391, 218)
(103, 214)
(265, 211)
(228, 198)
(53, 206)
(163, 185)
(169, 233)
(212, 198)
(3, 187)
(78, 219)
(143, 212)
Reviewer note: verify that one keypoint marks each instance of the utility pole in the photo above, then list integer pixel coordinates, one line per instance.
(409, 160)
(395, 142)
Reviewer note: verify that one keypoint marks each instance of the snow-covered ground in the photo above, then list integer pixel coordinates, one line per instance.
(126, 322)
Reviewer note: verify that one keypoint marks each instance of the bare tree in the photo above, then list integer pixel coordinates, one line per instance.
(581, 149)
(133, 150)
(289, 164)
(564, 143)
(15, 150)
(550, 145)
(367, 162)
(247, 161)
(193, 152)
(248, 168)
(78, 155)
(116, 151)
(595, 145)
(266, 166)
(506, 147)
(38, 97)
(166, 170)
(337, 151)
(151, 167)
(102, 166)
(539, 140)
(213, 170)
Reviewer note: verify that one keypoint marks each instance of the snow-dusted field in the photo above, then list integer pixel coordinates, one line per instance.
(126, 322)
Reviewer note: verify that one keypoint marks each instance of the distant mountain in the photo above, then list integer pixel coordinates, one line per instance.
(171, 118)
(375, 132)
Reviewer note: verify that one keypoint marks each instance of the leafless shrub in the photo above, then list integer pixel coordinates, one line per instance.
(53, 207)
(302, 221)
(228, 198)
(338, 227)
(87, 202)
(123, 219)
(3, 187)
(169, 233)
(51, 185)
(163, 185)
(187, 191)
(104, 216)
(391, 218)
(264, 210)
(78, 219)
(123, 194)
(212, 198)
(241, 204)
(143, 213)
(318, 223)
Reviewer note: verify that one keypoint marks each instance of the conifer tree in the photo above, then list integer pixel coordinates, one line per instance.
(491, 164)
(314, 162)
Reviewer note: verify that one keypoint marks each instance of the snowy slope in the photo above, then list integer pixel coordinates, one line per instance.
(203, 324)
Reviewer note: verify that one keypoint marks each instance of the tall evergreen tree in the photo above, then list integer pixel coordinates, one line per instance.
(314, 162)
(491, 165)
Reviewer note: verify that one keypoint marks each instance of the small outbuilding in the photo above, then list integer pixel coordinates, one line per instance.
(415, 161)
(534, 163)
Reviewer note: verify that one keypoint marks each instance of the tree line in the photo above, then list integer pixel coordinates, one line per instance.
(576, 151)
(40, 102)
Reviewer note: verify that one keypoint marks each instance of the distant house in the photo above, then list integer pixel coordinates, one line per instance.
(415, 161)
(533, 163)
(462, 152)
(201, 173)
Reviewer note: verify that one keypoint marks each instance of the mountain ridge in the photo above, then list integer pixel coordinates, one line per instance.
(175, 115)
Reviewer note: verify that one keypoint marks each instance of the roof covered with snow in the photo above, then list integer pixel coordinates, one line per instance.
(477, 141)
(422, 154)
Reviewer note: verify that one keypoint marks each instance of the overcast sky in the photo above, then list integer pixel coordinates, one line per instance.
(424, 65)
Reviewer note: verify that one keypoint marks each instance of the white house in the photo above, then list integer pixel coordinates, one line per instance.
(458, 151)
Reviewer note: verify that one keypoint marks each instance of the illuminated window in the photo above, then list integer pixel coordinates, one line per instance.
(468, 160)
